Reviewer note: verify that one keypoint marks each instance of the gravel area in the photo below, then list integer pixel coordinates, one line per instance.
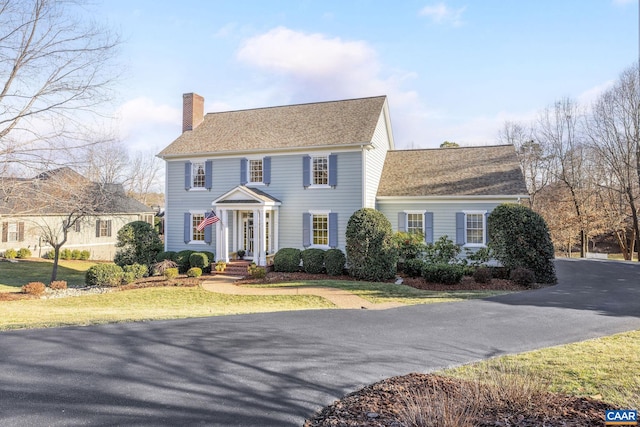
(75, 292)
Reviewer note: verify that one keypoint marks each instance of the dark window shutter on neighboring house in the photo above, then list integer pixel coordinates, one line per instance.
(306, 171)
(306, 230)
(187, 175)
(187, 227)
(208, 174)
(402, 221)
(266, 170)
(460, 237)
(243, 171)
(333, 229)
(97, 228)
(428, 227)
(5, 231)
(109, 228)
(21, 232)
(333, 170)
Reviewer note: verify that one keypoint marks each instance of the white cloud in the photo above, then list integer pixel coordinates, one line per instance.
(442, 14)
(589, 96)
(146, 125)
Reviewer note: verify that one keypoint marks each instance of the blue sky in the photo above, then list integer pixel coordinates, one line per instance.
(453, 70)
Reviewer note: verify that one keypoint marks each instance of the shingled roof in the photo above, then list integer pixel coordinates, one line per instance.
(468, 171)
(319, 124)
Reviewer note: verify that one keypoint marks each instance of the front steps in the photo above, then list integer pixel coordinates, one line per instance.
(236, 268)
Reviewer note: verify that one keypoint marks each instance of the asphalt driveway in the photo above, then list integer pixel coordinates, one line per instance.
(276, 369)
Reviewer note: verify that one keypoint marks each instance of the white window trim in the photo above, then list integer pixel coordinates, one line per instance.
(248, 177)
(484, 229)
(312, 185)
(193, 174)
(191, 241)
(415, 212)
(319, 212)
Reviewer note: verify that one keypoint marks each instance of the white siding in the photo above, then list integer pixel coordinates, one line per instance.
(375, 160)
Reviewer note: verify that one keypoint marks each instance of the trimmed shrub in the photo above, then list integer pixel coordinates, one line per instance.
(256, 272)
(519, 237)
(34, 288)
(23, 253)
(413, 267)
(75, 254)
(65, 254)
(220, 266)
(198, 259)
(410, 245)
(523, 277)
(443, 251)
(139, 270)
(371, 253)
(171, 255)
(500, 272)
(49, 254)
(10, 253)
(171, 273)
(139, 243)
(182, 259)
(194, 272)
(85, 255)
(482, 275)
(58, 285)
(160, 267)
(334, 261)
(312, 260)
(128, 277)
(447, 274)
(104, 275)
(287, 260)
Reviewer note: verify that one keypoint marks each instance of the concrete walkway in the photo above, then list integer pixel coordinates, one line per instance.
(340, 298)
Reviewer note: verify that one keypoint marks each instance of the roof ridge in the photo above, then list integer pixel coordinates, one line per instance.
(447, 148)
(297, 105)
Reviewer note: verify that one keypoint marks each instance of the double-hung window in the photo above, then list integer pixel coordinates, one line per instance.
(103, 228)
(255, 171)
(320, 229)
(198, 174)
(320, 171)
(471, 228)
(415, 223)
(197, 235)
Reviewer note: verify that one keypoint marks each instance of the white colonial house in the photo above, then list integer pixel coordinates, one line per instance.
(291, 176)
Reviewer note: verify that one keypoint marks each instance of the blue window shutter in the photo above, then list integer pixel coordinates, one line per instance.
(402, 221)
(187, 175)
(208, 174)
(486, 228)
(266, 170)
(187, 227)
(306, 171)
(208, 234)
(333, 170)
(460, 229)
(333, 229)
(428, 227)
(306, 230)
(243, 171)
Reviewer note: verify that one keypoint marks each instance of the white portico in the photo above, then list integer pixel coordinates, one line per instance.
(248, 222)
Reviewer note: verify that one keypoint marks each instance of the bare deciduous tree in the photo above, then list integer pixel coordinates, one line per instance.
(55, 72)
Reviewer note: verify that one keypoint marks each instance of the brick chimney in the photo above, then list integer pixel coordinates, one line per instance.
(192, 111)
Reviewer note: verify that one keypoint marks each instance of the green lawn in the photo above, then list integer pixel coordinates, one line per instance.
(14, 275)
(144, 304)
(604, 368)
(377, 292)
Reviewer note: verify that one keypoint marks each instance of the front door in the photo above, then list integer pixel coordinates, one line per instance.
(247, 233)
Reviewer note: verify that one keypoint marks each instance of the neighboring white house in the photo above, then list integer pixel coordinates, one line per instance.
(292, 176)
(24, 219)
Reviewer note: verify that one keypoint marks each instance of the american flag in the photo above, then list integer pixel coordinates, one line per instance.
(210, 218)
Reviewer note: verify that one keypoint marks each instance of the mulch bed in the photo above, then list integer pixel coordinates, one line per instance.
(385, 404)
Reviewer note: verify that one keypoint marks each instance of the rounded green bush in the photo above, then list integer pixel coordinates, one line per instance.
(194, 272)
(75, 254)
(371, 252)
(170, 255)
(23, 253)
(523, 277)
(198, 259)
(85, 255)
(413, 267)
(65, 254)
(287, 260)
(104, 275)
(139, 243)
(482, 275)
(171, 273)
(211, 257)
(182, 259)
(334, 262)
(10, 253)
(519, 237)
(312, 260)
(138, 270)
(447, 274)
